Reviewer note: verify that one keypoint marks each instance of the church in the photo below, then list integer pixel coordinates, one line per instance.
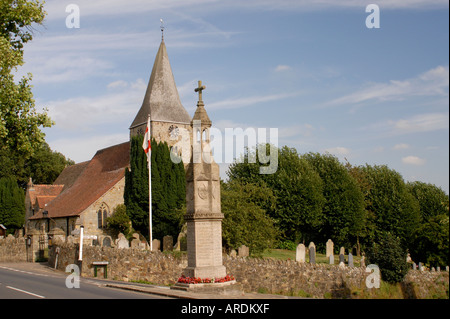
(85, 194)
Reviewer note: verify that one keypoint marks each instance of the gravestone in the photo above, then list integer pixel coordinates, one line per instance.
(106, 242)
(341, 258)
(167, 243)
(363, 261)
(122, 242)
(342, 251)
(243, 251)
(135, 243)
(233, 253)
(446, 268)
(156, 245)
(330, 248)
(300, 253)
(350, 260)
(331, 259)
(312, 253)
(414, 266)
(420, 266)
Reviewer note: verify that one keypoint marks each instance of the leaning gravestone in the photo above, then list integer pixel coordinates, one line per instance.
(300, 253)
(312, 253)
(122, 242)
(350, 260)
(330, 248)
(167, 243)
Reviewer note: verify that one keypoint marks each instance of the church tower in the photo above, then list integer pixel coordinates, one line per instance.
(169, 120)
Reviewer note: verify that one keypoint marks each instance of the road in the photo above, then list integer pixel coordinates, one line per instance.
(18, 281)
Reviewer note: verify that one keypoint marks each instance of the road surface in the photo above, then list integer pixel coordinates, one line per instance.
(19, 281)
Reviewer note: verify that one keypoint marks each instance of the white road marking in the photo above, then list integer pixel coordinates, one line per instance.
(24, 291)
(23, 271)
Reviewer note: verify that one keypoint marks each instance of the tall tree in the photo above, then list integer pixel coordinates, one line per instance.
(297, 189)
(12, 203)
(395, 209)
(344, 214)
(20, 122)
(245, 222)
(168, 190)
(433, 201)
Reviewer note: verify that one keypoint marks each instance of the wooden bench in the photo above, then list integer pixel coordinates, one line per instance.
(101, 264)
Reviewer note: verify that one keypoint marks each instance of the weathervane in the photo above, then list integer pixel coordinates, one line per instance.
(162, 29)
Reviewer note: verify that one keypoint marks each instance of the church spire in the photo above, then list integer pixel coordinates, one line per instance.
(161, 99)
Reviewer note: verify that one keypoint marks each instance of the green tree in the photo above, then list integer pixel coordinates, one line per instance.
(389, 255)
(430, 242)
(395, 209)
(344, 213)
(433, 201)
(168, 190)
(12, 204)
(119, 222)
(245, 222)
(20, 123)
(297, 189)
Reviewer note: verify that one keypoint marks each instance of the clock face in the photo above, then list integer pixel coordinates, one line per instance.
(173, 131)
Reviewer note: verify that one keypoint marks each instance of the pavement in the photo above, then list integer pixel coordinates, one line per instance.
(150, 289)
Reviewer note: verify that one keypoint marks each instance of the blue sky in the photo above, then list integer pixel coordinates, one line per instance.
(312, 69)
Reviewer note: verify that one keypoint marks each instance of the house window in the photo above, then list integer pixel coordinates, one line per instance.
(102, 215)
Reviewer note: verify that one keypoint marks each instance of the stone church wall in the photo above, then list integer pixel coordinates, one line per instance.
(112, 198)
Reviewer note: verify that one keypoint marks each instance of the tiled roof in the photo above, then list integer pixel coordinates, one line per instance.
(44, 191)
(70, 174)
(100, 174)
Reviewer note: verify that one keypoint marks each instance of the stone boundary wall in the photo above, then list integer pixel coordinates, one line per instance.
(13, 249)
(124, 264)
(254, 274)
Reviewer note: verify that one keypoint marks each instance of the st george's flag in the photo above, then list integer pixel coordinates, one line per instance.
(147, 145)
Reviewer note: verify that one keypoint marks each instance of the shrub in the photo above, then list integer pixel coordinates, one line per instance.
(390, 257)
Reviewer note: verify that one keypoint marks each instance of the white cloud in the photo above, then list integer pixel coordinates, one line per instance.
(434, 82)
(281, 68)
(56, 8)
(413, 160)
(80, 149)
(84, 113)
(401, 146)
(420, 123)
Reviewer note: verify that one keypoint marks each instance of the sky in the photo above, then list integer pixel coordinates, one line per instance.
(311, 69)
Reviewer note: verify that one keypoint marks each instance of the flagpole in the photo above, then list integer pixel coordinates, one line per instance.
(150, 187)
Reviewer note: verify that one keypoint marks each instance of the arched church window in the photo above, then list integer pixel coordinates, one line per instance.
(102, 215)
